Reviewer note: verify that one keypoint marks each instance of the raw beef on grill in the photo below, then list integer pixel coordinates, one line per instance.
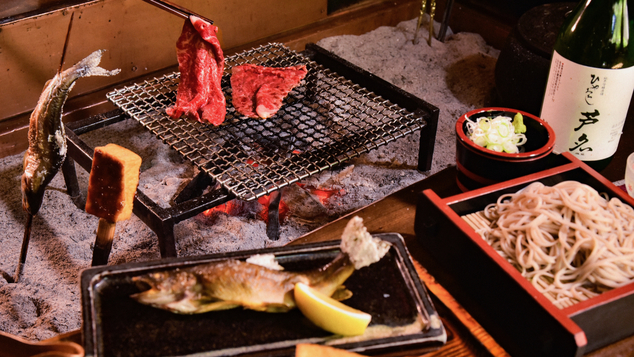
(201, 64)
(259, 91)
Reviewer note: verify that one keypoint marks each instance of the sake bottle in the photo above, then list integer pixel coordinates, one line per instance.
(591, 80)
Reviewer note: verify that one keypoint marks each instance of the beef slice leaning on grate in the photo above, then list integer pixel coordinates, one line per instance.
(258, 92)
(201, 64)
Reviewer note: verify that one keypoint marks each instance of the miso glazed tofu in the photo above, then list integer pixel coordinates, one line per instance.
(114, 178)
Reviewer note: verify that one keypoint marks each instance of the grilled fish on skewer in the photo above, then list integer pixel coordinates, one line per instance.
(47, 139)
(231, 283)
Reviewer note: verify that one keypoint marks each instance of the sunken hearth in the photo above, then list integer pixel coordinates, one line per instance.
(454, 76)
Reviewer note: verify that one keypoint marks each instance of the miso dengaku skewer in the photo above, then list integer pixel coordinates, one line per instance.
(113, 181)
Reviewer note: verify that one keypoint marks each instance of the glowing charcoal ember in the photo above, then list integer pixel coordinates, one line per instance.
(265, 201)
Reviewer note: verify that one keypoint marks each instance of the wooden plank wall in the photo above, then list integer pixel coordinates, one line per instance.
(139, 38)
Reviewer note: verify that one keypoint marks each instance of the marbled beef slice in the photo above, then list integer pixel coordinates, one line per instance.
(259, 92)
(201, 64)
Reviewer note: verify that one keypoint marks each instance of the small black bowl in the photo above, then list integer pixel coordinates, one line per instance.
(479, 166)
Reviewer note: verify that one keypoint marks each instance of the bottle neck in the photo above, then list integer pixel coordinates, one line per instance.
(597, 34)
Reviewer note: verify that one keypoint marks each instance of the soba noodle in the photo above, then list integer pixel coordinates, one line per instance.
(568, 240)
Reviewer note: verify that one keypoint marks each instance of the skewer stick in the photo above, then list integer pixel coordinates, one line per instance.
(421, 15)
(114, 177)
(25, 247)
(29, 220)
(432, 12)
(420, 20)
(445, 21)
(103, 243)
(273, 224)
(70, 25)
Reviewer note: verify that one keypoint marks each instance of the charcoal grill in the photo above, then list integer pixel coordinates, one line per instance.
(338, 112)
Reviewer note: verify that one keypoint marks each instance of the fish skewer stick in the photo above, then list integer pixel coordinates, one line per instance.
(25, 247)
(113, 181)
(47, 138)
(421, 15)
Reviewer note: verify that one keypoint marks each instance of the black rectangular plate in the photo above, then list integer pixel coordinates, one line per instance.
(390, 290)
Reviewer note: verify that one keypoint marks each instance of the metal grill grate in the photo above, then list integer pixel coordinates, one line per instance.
(324, 121)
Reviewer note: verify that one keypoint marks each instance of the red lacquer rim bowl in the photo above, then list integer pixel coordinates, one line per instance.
(540, 136)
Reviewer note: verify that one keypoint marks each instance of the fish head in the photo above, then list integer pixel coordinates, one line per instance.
(37, 174)
(164, 287)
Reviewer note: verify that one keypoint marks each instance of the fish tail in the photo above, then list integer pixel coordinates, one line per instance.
(56, 91)
(88, 67)
(330, 277)
(361, 247)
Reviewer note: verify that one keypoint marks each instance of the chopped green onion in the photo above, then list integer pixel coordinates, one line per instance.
(484, 124)
(503, 129)
(498, 134)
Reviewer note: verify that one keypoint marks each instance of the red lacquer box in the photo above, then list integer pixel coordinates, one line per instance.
(522, 320)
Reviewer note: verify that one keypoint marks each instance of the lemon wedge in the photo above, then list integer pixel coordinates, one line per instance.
(330, 314)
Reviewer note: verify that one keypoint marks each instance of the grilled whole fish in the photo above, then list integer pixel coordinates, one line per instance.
(230, 283)
(47, 138)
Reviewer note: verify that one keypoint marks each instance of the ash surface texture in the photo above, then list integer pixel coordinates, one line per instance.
(455, 76)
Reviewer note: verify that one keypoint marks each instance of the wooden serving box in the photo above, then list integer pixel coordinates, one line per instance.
(522, 320)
